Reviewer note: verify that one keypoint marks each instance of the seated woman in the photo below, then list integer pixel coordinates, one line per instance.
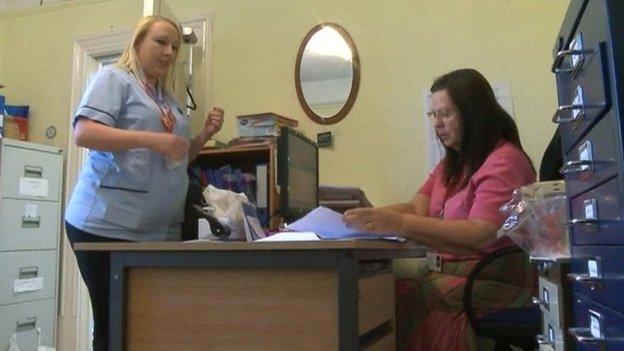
(456, 214)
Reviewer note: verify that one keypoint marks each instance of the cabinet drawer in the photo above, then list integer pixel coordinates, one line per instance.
(583, 70)
(597, 272)
(27, 276)
(593, 159)
(27, 173)
(552, 337)
(550, 297)
(584, 99)
(596, 216)
(596, 327)
(29, 225)
(24, 319)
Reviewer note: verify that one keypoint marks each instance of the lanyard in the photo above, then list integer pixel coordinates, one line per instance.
(166, 116)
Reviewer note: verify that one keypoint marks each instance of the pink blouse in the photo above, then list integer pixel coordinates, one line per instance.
(491, 186)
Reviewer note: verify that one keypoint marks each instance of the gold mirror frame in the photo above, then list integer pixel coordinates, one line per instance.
(355, 81)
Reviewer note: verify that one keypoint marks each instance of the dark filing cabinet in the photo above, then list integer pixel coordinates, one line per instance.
(589, 68)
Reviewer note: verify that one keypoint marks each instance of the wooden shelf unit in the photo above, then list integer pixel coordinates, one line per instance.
(246, 158)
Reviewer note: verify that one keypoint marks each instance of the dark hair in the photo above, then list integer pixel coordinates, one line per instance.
(484, 123)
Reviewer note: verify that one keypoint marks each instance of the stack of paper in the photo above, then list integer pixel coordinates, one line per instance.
(328, 225)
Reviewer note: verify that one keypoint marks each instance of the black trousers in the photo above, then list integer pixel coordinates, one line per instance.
(94, 268)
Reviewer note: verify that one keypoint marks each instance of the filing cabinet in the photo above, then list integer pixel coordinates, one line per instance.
(555, 301)
(31, 178)
(589, 69)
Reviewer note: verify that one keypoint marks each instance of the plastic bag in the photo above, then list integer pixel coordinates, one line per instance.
(537, 220)
(227, 207)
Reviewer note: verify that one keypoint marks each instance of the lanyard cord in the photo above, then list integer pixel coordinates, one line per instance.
(166, 116)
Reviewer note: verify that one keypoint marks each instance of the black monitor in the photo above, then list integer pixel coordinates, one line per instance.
(297, 174)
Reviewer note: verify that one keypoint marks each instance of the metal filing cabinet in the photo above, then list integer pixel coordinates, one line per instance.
(30, 222)
(554, 299)
(589, 68)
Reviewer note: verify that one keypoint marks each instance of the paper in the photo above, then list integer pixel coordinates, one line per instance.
(594, 324)
(328, 224)
(502, 91)
(33, 187)
(203, 229)
(251, 222)
(435, 149)
(27, 285)
(30, 211)
(204, 232)
(13, 346)
(291, 236)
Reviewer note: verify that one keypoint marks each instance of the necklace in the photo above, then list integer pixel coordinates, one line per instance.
(166, 116)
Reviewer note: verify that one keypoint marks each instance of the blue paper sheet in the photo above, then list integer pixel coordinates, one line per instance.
(328, 224)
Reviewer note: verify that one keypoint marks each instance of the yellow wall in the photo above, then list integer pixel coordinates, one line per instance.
(36, 52)
(403, 45)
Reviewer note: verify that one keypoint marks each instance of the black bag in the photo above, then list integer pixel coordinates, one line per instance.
(194, 197)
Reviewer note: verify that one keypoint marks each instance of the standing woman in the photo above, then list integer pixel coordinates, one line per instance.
(456, 213)
(133, 184)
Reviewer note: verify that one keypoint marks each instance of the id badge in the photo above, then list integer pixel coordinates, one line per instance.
(434, 261)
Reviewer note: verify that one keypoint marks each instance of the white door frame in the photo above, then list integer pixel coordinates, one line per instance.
(74, 308)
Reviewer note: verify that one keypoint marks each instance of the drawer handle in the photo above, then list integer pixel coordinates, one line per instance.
(34, 270)
(582, 221)
(557, 116)
(29, 322)
(560, 55)
(564, 53)
(576, 166)
(541, 340)
(595, 282)
(583, 335)
(31, 222)
(33, 171)
(563, 70)
(539, 302)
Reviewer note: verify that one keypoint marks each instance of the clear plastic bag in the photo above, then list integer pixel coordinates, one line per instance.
(227, 207)
(537, 218)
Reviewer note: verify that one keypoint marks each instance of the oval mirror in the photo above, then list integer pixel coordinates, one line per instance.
(327, 73)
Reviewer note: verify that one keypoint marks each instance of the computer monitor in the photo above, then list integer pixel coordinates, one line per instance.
(297, 174)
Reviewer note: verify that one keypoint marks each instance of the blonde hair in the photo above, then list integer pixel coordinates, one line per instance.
(129, 60)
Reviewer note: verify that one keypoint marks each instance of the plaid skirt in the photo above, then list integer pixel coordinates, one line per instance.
(429, 310)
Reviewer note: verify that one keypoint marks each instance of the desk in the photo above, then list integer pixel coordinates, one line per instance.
(317, 295)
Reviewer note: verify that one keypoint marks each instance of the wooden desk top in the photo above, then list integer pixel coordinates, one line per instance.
(403, 249)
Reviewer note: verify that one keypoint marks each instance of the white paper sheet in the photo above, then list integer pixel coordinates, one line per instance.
(291, 236)
(27, 285)
(31, 211)
(33, 187)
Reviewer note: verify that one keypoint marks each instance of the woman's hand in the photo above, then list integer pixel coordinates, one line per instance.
(171, 146)
(374, 220)
(214, 121)
(213, 124)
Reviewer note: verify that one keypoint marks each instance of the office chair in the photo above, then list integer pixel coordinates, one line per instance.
(508, 327)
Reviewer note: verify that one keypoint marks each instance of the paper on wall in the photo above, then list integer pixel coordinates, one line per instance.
(435, 149)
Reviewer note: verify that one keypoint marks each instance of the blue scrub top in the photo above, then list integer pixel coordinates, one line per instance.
(132, 194)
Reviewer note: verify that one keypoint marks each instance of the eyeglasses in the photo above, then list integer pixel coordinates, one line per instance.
(438, 115)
